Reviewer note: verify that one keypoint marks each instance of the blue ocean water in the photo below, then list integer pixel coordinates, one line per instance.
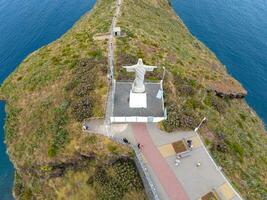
(236, 31)
(26, 25)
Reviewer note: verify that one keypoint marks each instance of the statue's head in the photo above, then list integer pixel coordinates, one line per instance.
(140, 61)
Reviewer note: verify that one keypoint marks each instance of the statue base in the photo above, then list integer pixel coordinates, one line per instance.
(141, 89)
(138, 100)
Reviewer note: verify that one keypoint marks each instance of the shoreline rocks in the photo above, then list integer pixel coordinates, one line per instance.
(233, 95)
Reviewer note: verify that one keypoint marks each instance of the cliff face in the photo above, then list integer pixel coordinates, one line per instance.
(59, 85)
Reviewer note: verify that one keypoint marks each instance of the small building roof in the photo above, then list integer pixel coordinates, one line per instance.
(117, 29)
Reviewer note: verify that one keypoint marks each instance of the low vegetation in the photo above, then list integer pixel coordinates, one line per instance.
(57, 87)
(48, 96)
(87, 90)
(196, 85)
(115, 181)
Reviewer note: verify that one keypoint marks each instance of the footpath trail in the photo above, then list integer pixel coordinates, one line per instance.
(167, 178)
(111, 68)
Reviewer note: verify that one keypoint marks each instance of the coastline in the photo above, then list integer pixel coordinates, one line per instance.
(31, 45)
(7, 167)
(31, 162)
(2, 97)
(244, 60)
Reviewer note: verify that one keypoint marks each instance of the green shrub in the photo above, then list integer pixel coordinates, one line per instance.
(186, 90)
(115, 185)
(179, 118)
(193, 104)
(82, 108)
(11, 123)
(84, 89)
(218, 103)
(207, 100)
(60, 135)
(92, 139)
(71, 85)
(81, 88)
(52, 151)
(243, 116)
(236, 147)
(127, 175)
(112, 148)
(184, 87)
(96, 54)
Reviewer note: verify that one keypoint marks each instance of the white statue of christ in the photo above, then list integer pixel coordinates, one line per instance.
(140, 70)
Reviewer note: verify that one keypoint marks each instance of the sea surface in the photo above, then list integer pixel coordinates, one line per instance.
(26, 25)
(236, 31)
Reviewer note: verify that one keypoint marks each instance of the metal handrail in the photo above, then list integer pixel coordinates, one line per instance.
(147, 180)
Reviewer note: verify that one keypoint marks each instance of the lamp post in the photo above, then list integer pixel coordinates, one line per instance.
(200, 124)
(163, 75)
(164, 71)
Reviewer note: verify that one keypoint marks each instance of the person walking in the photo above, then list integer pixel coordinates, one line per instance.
(140, 146)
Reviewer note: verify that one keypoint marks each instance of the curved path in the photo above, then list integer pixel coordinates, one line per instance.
(167, 178)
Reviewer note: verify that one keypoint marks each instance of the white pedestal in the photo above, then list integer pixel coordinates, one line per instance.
(138, 100)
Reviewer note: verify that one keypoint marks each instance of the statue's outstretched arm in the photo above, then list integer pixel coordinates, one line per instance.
(149, 68)
(130, 68)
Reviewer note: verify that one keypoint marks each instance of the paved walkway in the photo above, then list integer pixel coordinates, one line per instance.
(158, 164)
(195, 181)
(176, 182)
(111, 69)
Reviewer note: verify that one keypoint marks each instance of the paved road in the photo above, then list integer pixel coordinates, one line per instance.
(167, 178)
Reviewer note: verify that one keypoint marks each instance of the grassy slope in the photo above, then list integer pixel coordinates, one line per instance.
(47, 96)
(234, 134)
(45, 90)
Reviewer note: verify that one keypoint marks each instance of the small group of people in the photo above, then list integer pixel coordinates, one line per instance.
(179, 156)
(190, 144)
(110, 78)
(85, 127)
(178, 160)
(126, 141)
(140, 146)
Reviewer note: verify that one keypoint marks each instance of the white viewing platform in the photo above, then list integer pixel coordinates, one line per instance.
(138, 101)
(122, 112)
